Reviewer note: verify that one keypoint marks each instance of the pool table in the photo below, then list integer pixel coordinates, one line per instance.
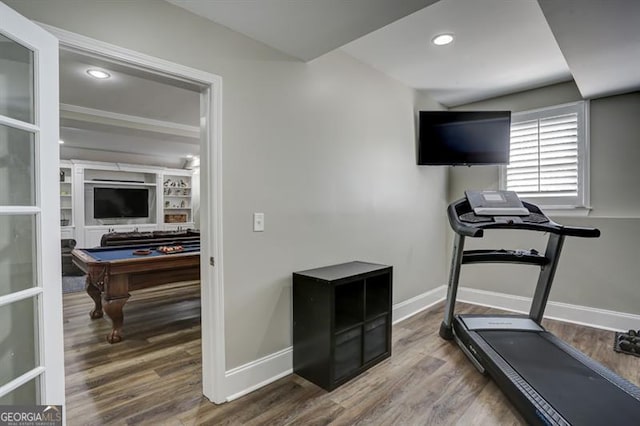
(114, 271)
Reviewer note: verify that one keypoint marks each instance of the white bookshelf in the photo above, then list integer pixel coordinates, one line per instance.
(177, 203)
(66, 200)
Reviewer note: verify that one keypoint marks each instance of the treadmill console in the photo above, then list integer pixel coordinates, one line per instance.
(481, 210)
(496, 203)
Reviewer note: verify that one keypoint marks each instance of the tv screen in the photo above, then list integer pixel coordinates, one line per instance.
(464, 137)
(120, 202)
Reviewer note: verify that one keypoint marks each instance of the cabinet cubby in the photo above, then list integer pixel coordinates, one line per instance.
(341, 321)
(348, 305)
(377, 298)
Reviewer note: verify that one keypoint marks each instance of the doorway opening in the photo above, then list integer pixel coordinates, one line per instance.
(199, 204)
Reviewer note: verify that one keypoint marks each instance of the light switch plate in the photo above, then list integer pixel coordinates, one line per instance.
(258, 222)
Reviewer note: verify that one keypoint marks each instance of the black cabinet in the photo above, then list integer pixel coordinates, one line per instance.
(341, 321)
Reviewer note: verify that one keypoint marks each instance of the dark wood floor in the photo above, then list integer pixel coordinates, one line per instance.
(153, 376)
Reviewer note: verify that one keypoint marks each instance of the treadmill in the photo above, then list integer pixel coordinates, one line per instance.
(548, 381)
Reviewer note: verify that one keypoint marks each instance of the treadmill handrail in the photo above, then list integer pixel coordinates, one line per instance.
(476, 230)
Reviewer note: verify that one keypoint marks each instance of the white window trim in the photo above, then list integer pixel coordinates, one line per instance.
(555, 206)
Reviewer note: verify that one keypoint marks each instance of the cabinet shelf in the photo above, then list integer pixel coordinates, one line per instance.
(344, 326)
(118, 183)
(341, 321)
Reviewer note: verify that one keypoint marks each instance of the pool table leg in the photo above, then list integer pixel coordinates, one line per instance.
(115, 295)
(95, 294)
(113, 309)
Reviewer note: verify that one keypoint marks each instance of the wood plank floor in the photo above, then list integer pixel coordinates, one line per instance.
(153, 376)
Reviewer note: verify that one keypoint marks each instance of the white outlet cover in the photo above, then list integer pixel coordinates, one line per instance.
(258, 222)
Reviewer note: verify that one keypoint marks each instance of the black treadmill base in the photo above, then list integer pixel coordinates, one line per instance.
(549, 381)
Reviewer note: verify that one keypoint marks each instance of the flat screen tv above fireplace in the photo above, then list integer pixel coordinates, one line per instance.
(111, 203)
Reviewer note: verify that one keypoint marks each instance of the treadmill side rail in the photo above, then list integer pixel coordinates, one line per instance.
(468, 352)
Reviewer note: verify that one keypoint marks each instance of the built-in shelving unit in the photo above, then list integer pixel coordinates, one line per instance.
(170, 198)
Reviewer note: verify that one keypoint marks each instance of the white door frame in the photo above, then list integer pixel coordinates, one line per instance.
(211, 273)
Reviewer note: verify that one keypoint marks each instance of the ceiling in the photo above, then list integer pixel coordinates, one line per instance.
(501, 46)
(128, 91)
(134, 116)
(304, 29)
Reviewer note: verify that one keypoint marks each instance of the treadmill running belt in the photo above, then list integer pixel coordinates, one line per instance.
(579, 394)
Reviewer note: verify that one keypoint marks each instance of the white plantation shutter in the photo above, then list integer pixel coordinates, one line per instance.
(548, 156)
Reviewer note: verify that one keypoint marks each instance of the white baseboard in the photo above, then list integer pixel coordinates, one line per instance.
(256, 374)
(246, 378)
(576, 314)
(410, 307)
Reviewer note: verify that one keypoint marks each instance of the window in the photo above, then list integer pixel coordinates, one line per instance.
(549, 156)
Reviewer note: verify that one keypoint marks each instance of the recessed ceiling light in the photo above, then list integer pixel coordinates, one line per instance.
(442, 39)
(60, 141)
(99, 74)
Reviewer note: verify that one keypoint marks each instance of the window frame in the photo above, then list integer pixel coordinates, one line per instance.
(561, 204)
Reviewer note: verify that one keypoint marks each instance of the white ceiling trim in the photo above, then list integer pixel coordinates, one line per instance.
(96, 116)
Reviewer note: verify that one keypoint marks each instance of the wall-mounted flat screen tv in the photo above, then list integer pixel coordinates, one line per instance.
(109, 203)
(463, 137)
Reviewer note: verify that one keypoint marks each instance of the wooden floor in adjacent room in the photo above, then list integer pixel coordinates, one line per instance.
(154, 375)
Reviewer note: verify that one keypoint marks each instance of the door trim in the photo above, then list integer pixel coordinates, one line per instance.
(212, 287)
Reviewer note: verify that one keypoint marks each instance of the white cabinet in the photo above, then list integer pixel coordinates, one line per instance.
(67, 233)
(178, 226)
(92, 236)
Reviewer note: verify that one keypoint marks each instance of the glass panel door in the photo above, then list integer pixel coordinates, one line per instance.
(17, 166)
(16, 80)
(31, 348)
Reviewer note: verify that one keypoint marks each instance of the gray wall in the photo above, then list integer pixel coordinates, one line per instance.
(325, 149)
(600, 273)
